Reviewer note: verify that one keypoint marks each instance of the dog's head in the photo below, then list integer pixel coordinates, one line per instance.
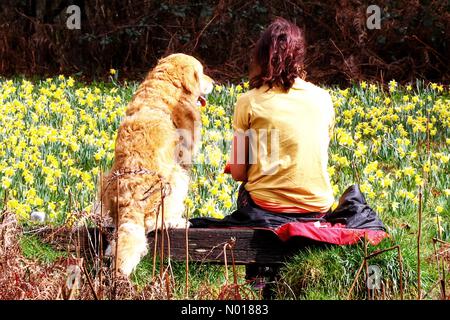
(187, 72)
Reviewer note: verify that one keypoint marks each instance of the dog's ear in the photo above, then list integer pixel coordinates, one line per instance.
(185, 115)
(190, 79)
(186, 119)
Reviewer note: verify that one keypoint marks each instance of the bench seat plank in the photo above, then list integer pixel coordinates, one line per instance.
(251, 246)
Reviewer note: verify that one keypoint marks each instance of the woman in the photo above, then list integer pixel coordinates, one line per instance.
(282, 130)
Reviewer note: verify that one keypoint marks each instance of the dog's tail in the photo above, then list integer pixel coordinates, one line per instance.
(131, 241)
(127, 210)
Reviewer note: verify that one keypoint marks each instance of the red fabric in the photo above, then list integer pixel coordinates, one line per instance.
(279, 208)
(326, 232)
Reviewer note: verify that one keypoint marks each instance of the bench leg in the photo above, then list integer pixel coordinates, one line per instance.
(263, 277)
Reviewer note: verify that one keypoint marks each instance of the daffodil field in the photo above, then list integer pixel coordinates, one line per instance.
(394, 143)
(57, 137)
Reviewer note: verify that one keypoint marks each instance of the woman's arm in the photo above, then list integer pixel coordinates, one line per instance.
(239, 157)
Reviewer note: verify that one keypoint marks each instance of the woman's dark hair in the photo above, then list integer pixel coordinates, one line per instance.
(279, 56)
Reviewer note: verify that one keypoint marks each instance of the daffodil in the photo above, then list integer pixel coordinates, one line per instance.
(439, 209)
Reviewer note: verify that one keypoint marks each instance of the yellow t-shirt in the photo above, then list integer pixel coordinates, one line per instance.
(292, 177)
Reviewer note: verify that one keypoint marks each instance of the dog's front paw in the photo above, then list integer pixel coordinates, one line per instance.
(177, 224)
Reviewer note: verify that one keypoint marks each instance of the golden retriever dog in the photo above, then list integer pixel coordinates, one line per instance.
(154, 146)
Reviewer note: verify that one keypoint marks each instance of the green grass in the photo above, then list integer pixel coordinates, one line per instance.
(205, 281)
(33, 248)
(328, 272)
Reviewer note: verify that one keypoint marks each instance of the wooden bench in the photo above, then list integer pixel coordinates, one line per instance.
(261, 251)
(249, 246)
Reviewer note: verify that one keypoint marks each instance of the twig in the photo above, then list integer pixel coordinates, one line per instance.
(356, 278)
(100, 242)
(116, 236)
(225, 262)
(169, 266)
(203, 30)
(355, 170)
(400, 263)
(168, 291)
(91, 244)
(236, 288)
(71, 293)
(419, 235)
(374, 254)
(89, 281)
(438, 55)
(367, 265)
(5, 207)
(343, 58)
(437, 265)
(161, 262)
(428, 134)
(431, 289)
(78, 244)
(36, 231)
(187, 256)
(441, 241)
(155, 243)
(441, 274)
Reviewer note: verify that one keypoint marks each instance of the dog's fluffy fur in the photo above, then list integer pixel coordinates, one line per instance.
(164, 106)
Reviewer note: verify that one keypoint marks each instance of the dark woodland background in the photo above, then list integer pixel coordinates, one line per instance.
(130, 35)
